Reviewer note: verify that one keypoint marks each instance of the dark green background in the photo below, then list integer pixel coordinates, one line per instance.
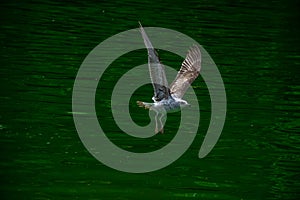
(255, 45)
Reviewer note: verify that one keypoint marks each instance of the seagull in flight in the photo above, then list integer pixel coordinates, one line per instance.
(169, 98)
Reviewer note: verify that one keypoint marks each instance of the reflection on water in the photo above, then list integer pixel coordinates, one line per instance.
(255, 47)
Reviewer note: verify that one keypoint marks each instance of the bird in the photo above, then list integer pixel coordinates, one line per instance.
(168, 98)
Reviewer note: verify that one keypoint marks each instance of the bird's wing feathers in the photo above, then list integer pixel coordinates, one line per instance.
(156, 69)
(188, 72)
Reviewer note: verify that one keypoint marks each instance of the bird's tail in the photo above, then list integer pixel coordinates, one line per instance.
(144, 104)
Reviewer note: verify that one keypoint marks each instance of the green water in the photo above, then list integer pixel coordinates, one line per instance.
(256, 48)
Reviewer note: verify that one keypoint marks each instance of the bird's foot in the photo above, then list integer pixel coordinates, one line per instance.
(162, 130)
(159, 131)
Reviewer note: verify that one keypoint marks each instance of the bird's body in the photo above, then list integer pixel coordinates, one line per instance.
(169, 99)
(171, 104)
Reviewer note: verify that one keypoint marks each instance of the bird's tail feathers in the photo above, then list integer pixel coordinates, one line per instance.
(144, 104)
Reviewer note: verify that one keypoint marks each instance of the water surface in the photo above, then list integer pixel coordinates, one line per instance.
(256, 48)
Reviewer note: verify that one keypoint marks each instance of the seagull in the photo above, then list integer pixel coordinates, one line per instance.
(167, 98)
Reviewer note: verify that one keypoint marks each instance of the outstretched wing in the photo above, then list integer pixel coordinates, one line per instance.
(188, 72)
(157, 71)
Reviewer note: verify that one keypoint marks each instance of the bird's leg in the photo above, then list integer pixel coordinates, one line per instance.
(156, 123)
(161, 124)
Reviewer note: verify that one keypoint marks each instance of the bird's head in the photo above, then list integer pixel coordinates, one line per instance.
(184, 103)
